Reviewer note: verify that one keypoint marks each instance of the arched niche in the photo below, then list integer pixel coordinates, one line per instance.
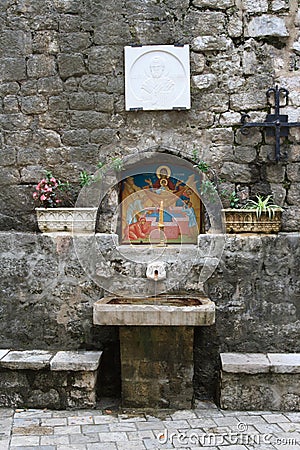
(159, 201)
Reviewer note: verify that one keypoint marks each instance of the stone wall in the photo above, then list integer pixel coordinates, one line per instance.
(62, 91)
(62, 108)
(47, 299)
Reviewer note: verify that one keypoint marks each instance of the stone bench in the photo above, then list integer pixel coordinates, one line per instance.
(257, 381)
(46, 379)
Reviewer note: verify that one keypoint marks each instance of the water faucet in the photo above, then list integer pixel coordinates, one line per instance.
(156, 271)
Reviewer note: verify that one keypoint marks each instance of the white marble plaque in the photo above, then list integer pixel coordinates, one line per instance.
(157, 77)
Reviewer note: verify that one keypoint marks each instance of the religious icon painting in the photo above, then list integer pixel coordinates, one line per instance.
(163, 201)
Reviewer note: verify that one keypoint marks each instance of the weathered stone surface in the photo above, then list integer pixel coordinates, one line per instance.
(205, 23)
(236, 172)
(90, 120)
(151, 374)
(71, 65)
(15, 43)
(60, 55)
(205, 81)
(220, 4)
(35, 104)
(277, 392)
(267, 25)
(31, 359)
(293, 172)
(255, 6)
(50, 86)
(284, 362)
(245, 363)
(208, 43)
(76, 361)
(13, 69)
(39, 66)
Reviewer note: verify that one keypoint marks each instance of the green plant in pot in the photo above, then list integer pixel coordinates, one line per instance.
(257, 216)
(263, 206)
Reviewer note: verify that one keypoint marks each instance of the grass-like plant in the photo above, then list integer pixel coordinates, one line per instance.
(263, 205)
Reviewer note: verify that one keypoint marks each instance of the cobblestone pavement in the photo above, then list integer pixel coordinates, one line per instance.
(109, 428)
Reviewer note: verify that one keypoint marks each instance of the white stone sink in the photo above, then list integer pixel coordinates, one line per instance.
(163, 310)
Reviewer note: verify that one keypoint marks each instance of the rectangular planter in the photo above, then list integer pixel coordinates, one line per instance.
(246, 221)
(80, 220)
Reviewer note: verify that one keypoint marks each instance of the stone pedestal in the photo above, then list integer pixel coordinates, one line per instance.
(157, 366)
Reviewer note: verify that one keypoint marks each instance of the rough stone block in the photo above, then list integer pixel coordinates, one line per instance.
(267, 25)
(220, 4)
(238, 173)
(10, 104)
(255, 6)
(14, 43)
(245, 363)
(50, 86)
(9, 176)
(197, 62)
(12, 380)
(35, 104)
(207, 43)
(104, 102)
(41, 66)
(78, 398)
(89, 120)
(13, 69)
(293, 172)
(75, 137)
(74, 42)
(40, 399)
(293, 194)
(70, 65)
(235, 26)
(204, 81)
(247, 100)
(85, 380)
(27, 359)
(205, 23)
(94, 83)
(45, 42)
(81, 101)
(76, 361)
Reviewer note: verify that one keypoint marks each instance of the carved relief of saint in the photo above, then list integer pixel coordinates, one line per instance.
(158, 88)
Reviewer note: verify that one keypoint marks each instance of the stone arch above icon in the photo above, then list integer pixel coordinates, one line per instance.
(157, 77)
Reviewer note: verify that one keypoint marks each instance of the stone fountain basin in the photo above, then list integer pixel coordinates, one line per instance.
(163, 310)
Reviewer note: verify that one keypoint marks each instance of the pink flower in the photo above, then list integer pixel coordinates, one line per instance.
(43, 198)
(35, 195)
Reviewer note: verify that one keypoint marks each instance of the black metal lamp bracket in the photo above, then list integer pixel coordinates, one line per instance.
(276, 124)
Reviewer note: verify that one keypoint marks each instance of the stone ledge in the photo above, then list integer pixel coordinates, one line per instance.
(258, 381)
(76, 361)
(284, 362)
(254, 363)
(27, 359)
(57, 361)
(3, 353)
(45, 379)
(245, 362)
